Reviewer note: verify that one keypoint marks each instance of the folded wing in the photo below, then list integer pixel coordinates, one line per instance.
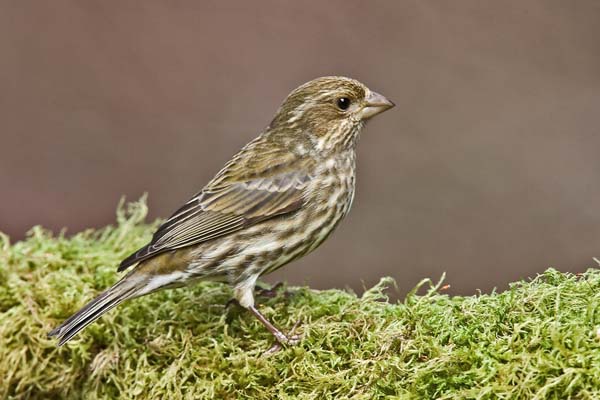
(232, 201)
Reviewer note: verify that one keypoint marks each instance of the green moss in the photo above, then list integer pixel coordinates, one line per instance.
(536, 340)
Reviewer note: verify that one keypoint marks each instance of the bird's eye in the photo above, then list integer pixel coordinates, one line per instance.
(343, 103)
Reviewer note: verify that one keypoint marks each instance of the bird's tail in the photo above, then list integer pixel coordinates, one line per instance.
(125, 289)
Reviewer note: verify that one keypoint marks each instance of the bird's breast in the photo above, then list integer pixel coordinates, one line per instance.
(333, 185)
(329, 198)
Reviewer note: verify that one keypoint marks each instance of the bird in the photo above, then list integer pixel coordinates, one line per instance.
(275, 201)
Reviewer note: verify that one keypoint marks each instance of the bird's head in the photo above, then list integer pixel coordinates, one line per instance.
(330, 110)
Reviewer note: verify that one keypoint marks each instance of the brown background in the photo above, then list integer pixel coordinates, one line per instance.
(487, 168)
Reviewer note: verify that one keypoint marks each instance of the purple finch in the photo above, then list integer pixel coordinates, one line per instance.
(276, 200)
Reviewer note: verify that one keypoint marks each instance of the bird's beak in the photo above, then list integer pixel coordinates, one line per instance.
(376, 104)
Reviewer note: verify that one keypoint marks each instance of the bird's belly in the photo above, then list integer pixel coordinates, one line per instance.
(283, 241)
(297, 235)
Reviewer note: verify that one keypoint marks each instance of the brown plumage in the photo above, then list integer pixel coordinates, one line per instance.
(276, 200)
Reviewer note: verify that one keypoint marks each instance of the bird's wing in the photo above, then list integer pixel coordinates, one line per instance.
(252, 187)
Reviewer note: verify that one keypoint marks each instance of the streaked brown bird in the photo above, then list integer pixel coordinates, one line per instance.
(276, 200)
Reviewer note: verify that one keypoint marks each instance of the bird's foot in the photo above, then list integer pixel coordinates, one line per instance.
(231, 302)
(291, 339)
(270, 291)
(266, 291)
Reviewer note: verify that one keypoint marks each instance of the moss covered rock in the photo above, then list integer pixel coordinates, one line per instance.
(539, 339)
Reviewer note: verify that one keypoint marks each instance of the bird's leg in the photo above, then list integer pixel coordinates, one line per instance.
(244, 294)
(290, 339)
(280, 336)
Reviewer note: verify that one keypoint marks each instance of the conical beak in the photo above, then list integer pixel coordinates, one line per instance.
(376, 104)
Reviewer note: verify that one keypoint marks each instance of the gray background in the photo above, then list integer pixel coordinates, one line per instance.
(487, 168)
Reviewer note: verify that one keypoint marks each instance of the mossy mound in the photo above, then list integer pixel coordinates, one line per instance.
(538, 340)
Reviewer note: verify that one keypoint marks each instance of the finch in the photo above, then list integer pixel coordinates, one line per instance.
(276, 200)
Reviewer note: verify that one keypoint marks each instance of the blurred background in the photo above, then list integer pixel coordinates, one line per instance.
(488, 168)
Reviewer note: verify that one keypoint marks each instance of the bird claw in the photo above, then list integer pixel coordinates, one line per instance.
(291, 339)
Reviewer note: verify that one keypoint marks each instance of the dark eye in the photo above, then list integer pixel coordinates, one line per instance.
(343, 103)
